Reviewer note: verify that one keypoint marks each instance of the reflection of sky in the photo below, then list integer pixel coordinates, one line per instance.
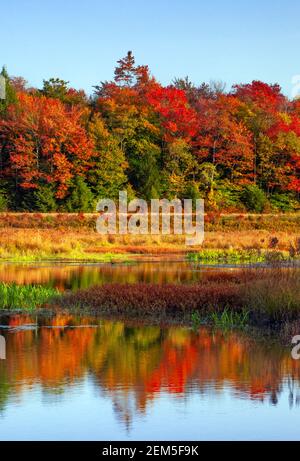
(82, 413)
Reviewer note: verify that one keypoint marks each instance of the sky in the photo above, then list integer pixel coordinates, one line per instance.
(235, 41)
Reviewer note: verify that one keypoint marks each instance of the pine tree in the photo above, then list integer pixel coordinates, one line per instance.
(81, 197)
(44, 198)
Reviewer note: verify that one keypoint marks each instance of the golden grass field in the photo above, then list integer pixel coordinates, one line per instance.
(36, 237)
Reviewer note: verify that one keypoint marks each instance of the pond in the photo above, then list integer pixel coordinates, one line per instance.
(85, 378)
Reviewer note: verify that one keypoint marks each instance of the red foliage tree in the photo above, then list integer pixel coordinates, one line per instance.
(44, 141)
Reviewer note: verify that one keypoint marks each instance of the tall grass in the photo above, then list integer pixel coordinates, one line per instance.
(275, 296)
(14, 296)
(230, 319)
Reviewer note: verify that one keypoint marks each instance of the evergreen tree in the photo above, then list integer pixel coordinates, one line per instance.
(55, 88)
(144, 175)
(81, 197)
(44, 198)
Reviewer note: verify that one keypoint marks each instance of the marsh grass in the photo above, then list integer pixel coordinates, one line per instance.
(226, 319)
(230, 319)
(275, 297)
(196, 319)
(236, 256)
(258, 297)
(13, 296)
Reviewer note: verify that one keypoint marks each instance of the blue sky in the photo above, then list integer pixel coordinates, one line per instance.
(80, 41)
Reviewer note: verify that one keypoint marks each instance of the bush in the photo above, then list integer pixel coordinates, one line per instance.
(254, 198)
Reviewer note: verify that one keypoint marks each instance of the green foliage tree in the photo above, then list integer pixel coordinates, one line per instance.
(45, 200)
(3, 201)
(107, 175)
(180, 170)
(81, 198)
(55, 88)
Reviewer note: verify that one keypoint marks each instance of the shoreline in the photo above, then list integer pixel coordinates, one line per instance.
(262, 333)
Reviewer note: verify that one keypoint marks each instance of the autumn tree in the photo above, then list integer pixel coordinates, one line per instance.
(223, 139)
(129, 117)
(43, 142)
(57, 88)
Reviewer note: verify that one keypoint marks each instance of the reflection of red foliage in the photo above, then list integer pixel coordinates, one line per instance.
(170, 360)
(174, 370)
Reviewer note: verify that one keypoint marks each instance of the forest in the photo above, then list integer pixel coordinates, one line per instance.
(61, 150)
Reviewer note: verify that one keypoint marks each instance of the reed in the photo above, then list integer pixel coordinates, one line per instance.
(230, 319)
(13, 296)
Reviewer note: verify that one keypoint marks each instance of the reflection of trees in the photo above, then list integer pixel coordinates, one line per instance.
(133, 364)
(73, 276)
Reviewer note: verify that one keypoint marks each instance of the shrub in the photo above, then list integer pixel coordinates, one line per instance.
(254, 198)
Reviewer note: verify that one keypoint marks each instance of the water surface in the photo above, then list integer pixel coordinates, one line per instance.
(75, 275)
(69, 378)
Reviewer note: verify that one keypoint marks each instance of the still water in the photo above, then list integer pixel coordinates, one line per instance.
(72, 276)
(71, 378)
(89, 379)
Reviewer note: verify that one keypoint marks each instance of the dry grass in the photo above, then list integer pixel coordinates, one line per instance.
(27, 236)
(88, 245)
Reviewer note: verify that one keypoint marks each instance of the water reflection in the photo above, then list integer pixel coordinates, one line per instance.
(133, 365)
(73, 276)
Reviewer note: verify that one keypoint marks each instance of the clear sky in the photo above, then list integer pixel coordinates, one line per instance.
(80, 41)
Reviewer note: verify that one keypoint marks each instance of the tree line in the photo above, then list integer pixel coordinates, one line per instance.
(61, 150)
